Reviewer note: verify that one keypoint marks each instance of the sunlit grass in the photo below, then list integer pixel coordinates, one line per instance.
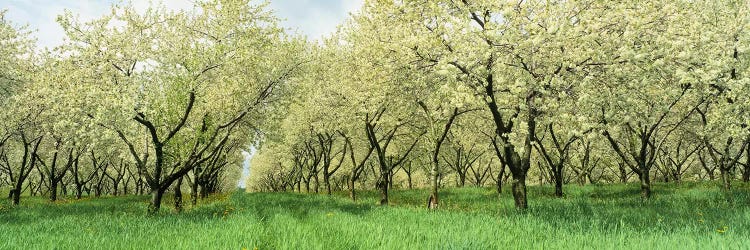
(686, 216)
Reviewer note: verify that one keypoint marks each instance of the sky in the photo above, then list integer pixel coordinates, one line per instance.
(312, 18)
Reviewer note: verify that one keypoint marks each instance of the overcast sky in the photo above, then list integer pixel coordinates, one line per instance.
(313, 18)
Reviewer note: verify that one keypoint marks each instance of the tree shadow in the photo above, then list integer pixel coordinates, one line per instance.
(299, 206)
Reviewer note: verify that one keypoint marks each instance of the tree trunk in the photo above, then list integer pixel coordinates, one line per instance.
(499, 186)
(558, 176)
(462, 179)
(623, 173)
(352, 190)
(79, 191)
(327, 181)
(64, 189)
(726, 179)
(115, 186)
(205, 190)
(434, 201)
(317, 183)
(409, 181)
(645, 184)
(156, 196)
(519, 191)
(53, 190)
(16, 196)
(194, 191)
(98, 187)
(499, 180)
(178, 195)
(384, 190)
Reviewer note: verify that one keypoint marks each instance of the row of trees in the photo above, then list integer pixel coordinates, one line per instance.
(140, 101)
(586, 91)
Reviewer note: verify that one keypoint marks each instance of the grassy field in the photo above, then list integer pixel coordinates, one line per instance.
(686, 216)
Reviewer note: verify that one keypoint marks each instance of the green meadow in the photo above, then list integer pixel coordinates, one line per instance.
(685, 216)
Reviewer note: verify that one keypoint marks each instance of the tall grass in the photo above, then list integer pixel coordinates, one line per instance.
(686, 216)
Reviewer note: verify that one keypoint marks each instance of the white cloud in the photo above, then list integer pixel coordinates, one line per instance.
(313, 18)
(173, 5)
(352, 6)
(42, 15)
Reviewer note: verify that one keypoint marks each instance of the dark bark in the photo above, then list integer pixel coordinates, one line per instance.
(746, 167)
(518, 164)
(358, 167)
(645, 182)
(705, 165)
(326, 141)
(408, 170)
(558, 179)
(499, 179)
(519, 191)
(725, 160)
(555, 163)
(434, 200)
(464, 159)
(380, 145)
(156, 197)
(28, 163)
(194, 187)
(623, 172)
(352, 189)
(641, 155)
(178, 195)
(643, 158)
(726, 179)
(505, 150)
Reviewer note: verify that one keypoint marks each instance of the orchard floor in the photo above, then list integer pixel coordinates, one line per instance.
(685, 216)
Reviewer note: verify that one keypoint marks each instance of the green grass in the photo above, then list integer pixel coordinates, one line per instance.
(684, 216)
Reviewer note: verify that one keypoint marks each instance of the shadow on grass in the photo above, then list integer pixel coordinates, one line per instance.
(36, 209)
(300, 206)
